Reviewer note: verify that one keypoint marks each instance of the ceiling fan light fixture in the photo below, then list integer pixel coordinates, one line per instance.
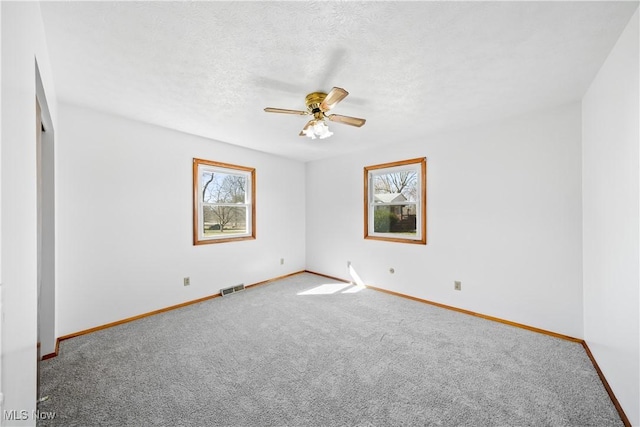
(318, 129)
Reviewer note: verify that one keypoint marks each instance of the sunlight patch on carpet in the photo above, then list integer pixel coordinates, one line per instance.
(353, 290)
(326, 289)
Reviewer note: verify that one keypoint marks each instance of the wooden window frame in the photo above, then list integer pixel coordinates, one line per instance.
(198, 237)
(421, 205)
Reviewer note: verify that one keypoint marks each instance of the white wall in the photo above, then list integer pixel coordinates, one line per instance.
(23, 43)
(503, 217)
(125, 220)
(1, 310)
(611, 219)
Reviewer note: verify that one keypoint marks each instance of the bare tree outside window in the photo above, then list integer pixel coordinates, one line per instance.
(404, 182)
(224, 207)
(221, 191)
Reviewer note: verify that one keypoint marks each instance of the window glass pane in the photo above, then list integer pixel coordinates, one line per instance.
(220, 187)
(395, 201)
(399, 219)
(394, 187)
(223, 206)
(220, 221)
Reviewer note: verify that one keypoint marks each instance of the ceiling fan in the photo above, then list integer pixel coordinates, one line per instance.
(318, 103)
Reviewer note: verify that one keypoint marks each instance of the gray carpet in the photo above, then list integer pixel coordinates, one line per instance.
(270, 357)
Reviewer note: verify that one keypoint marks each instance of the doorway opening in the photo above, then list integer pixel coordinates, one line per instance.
(45, 167)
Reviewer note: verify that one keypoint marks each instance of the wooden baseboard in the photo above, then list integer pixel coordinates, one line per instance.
(328, 277)
(151, 313)
(482, 316)
(55, 352)
(460, 310)
(606, 385)
(612, 396)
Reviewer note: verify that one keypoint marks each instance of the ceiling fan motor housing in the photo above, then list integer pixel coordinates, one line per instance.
(313, 101)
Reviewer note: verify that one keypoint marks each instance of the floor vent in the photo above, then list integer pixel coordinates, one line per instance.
(232, 289)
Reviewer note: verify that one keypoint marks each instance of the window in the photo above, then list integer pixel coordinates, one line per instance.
(223, 202)
(395, 201)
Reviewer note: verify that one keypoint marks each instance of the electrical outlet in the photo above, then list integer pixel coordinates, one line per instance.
(457, 285)
(186, 281)
(281, 261)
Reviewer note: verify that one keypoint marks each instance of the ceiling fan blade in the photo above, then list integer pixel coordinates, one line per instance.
(336, 95)
(307, 126)
(284, 111)
(351, 121)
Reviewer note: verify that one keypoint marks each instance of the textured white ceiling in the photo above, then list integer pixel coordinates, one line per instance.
(209, 68)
